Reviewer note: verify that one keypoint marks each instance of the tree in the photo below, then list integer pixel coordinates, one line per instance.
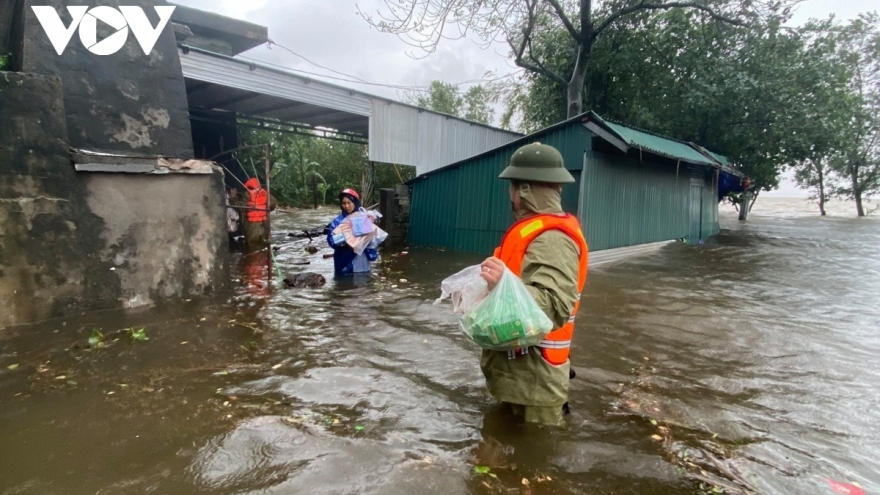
(303, 164)
(423, 23)
(447, 98)
(441, 97)
(814, 175)
(475, 105)
(858, 160)
(757, 95)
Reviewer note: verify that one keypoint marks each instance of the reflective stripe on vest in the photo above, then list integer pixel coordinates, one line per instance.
(556, 346)
(257, 199)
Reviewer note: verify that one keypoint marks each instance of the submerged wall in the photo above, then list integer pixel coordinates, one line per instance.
(75, 241)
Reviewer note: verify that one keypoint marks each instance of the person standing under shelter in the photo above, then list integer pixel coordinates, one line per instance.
(256, 230)
(547, 250)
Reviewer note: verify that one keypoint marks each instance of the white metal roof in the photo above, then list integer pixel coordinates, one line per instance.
(398, 133)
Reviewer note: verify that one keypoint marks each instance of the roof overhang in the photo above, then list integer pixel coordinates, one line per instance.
(219, 33)
(218, 83)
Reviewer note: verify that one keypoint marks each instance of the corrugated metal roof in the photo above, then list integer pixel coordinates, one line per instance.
(411, 136)
(398, 132)
(651, 143)
(677, 150)
(720, 158)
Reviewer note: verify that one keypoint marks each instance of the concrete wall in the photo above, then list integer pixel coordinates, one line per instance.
(126, 102)
(72, 242)
(45, 263)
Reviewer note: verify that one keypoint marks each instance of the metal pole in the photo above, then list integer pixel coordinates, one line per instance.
(268, 217)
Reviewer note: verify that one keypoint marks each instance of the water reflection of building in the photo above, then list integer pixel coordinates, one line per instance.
(632, 188)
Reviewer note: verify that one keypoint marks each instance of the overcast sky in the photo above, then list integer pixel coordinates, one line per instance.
(331, 34)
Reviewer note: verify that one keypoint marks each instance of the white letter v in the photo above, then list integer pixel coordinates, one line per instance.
(146, 35)
(54, 28)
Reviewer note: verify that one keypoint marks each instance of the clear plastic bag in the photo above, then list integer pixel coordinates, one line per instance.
(466, 289)
(353, 225)
(505, 318)
(508, 318)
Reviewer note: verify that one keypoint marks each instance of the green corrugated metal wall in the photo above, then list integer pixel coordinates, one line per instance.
(628, 203)
(625, 203)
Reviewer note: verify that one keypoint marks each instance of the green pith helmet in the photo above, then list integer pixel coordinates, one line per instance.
(537, 162)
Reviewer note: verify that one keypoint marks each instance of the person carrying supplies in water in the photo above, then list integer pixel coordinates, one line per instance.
(547, 250)
(345, 260)
(259, 202)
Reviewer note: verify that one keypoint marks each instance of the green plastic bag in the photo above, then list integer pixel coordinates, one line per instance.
(508, 318)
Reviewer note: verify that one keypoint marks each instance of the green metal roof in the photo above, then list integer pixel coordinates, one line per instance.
(677, 150)
(635, 138)
(721, 158)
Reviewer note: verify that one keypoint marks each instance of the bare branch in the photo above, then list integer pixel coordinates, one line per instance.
(526, 42)
(660, 6)
(560, 12)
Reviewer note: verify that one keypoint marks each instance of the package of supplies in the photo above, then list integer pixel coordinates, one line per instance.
(361, 225)
(353, 227)
(503, 319)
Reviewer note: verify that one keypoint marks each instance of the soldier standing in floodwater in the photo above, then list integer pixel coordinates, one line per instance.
(546, 248)
(258, 200)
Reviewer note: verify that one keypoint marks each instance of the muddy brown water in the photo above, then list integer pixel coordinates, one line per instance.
(763, 342)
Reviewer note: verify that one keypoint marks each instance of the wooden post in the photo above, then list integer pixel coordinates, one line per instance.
(268, 218)
(315, 191)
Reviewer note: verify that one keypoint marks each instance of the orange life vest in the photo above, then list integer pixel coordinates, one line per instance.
(557, 345)
(257, 199)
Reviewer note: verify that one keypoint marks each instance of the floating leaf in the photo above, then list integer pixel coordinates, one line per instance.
(12, 367)
(359, 428)
(139, 335)
(97, 338)
(481, 469)
(654, 422)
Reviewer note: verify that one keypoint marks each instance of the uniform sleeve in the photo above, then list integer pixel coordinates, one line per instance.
(550, 273)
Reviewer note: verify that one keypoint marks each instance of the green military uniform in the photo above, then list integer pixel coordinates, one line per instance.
(535, 389)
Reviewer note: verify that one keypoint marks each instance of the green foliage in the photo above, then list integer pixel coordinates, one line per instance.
(474, 104)
(752, 93)
(139, 335)
(855, 154)
(5, 61)
(441, 97)
(96, 339)
(306, 166)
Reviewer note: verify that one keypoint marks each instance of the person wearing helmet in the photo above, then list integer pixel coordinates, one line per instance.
(546, 248)
(259, 204)
(345, 260)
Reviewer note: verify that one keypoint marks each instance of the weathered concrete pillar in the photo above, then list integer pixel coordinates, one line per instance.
(394, 206)
(127, 102)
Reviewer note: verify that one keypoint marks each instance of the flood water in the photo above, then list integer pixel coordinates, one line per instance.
(754, 357)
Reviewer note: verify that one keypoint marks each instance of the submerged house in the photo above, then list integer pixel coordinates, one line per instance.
(632, 188)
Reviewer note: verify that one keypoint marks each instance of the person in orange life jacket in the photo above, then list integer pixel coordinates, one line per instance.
(547, 250)
(255, 228)
(345, 260)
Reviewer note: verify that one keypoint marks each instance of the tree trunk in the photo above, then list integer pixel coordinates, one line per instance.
(821, 191)
(857, 191)
(576, 84)
(744, 207)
